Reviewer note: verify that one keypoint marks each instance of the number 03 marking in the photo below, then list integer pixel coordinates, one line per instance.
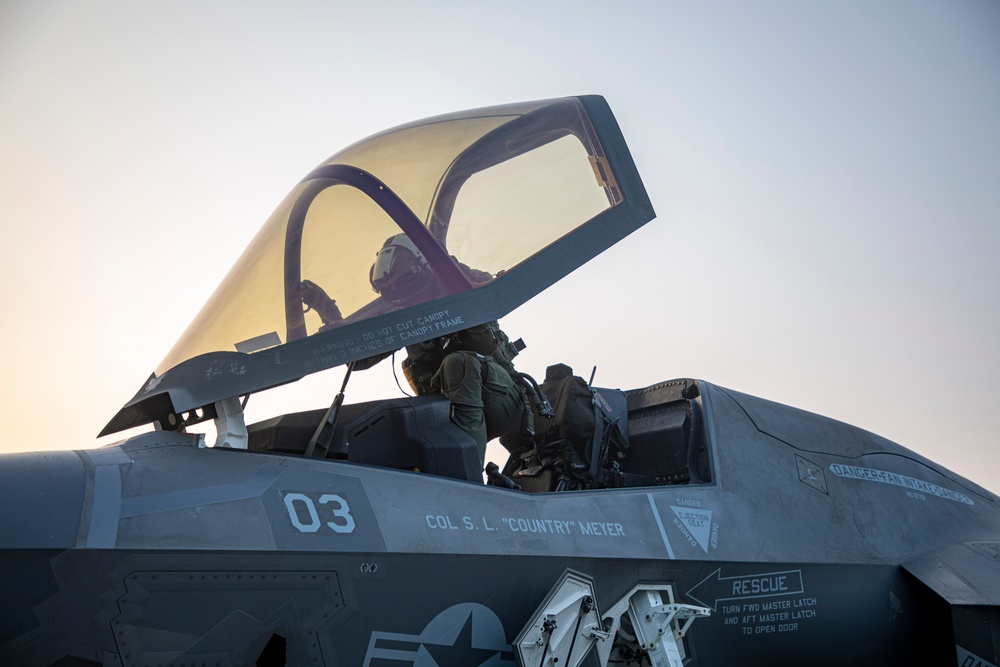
(331, 505)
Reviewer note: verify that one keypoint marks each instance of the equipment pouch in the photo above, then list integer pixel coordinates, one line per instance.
(418, 376)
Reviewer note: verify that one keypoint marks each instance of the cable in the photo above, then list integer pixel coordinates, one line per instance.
(396, 377)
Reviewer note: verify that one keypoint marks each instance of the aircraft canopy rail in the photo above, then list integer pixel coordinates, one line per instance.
(500, 203)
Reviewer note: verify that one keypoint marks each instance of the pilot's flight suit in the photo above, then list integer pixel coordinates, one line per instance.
(469, 369)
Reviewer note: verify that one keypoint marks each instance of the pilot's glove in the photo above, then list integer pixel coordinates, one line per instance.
(315, 298)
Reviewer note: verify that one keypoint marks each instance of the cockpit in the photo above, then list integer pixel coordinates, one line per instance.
(496, 203)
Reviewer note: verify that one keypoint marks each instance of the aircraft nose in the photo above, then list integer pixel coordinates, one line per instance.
(41, 500)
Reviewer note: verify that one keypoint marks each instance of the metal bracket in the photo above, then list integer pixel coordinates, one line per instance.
(230, 426)
(662, 616)
(655, 625)
(655, 619)
(565, 626)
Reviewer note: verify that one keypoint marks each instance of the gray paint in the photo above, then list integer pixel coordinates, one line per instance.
(41, 497)
(106, 508)
(827, 563)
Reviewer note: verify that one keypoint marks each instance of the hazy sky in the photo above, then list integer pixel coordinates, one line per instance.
(826, 178)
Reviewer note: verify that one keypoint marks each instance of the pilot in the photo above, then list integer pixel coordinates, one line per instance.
(400, 274)
(471, 368)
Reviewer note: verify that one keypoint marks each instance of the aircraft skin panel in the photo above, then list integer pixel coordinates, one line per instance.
(815, 433)
(781, 482)
(41, 515)
(147, 606)
(209, 553)
(172, 496)
(966, 574)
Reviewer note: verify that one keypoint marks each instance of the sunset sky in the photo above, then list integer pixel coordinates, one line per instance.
(826, 178)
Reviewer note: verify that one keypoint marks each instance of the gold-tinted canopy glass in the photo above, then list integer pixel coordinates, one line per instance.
(476, 193)
(411, 234)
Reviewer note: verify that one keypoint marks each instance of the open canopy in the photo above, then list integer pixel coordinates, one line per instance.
(426, 228)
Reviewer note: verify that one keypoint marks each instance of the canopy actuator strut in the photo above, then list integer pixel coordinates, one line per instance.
(319, 443)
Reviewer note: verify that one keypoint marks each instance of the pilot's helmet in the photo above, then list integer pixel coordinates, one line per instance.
(400, 270)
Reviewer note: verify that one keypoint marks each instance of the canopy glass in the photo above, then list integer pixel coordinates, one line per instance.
(426, 228)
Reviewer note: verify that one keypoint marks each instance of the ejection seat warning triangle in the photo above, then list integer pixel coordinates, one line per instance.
(695, 524)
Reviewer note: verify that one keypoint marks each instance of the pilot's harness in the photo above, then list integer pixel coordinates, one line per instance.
(532, 396)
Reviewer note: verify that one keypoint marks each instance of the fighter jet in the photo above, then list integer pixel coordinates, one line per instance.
(676, 524)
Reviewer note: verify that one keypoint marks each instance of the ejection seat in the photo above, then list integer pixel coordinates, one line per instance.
(579, 446)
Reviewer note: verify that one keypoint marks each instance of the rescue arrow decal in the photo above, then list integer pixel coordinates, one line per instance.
(715, 588)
